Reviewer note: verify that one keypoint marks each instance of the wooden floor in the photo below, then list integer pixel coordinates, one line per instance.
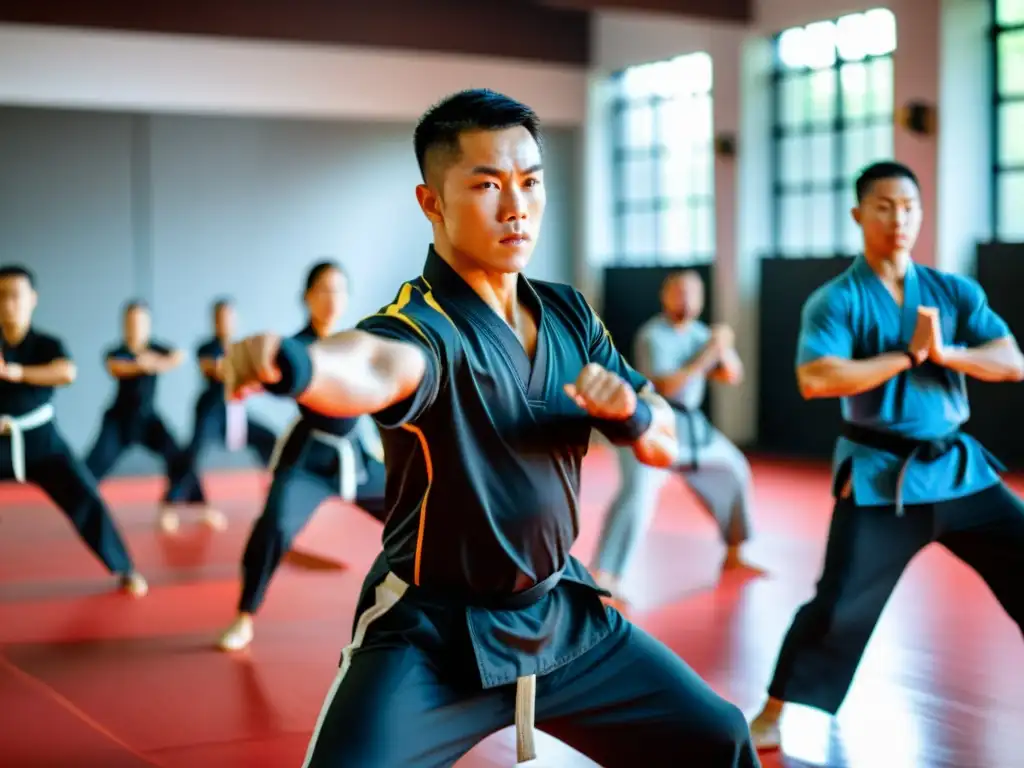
(90, 679)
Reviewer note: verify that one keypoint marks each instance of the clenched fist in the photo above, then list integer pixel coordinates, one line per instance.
(602, 394)
(249, 363)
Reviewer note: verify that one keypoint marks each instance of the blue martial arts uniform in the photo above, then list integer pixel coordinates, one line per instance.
(914, 478)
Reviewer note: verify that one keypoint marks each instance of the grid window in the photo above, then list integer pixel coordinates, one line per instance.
(833, 115)
(1009, 123)
(663, 144)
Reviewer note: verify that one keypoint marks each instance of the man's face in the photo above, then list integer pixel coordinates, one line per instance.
(490, 201)
(136, 325)
(224, 322)
(17, 300)
(890, 216)
(682, 297)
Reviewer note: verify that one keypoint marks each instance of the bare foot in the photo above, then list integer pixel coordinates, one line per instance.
(215, 519)
(134, 585)
(764, 729)
(734, 561)
(238, 635)
(168, 520)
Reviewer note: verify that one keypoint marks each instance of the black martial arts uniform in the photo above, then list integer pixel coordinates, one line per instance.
(476, 596)
(211, 426)
(309, 466)
(132, 419)
(34, 451)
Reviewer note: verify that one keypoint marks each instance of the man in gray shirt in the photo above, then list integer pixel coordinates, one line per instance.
(680, 354)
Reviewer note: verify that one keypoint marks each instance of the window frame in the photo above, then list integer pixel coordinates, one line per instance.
(839, 187)
(658, 202)
(1000, 170)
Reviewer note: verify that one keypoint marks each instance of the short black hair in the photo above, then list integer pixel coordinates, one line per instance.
(16, 270)
(222, 303)
(471, 110)
(318, 269)
(887, 169)
(133, 304)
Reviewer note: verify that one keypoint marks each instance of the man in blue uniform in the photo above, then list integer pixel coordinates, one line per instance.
(32, 450)
(487, 385)
(894, 341)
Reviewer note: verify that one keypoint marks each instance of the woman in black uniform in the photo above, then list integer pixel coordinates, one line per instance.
(217, 421)
(315, 458)
(132, 418)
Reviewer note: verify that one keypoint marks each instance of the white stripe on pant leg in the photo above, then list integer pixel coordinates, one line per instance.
(282, 441)
(388, 593)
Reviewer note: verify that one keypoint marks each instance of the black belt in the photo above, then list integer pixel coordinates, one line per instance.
(691, 422)
(909, 449)
(509, 601)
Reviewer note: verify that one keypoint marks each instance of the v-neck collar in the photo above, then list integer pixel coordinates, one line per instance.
(911, 296)
(445, 282)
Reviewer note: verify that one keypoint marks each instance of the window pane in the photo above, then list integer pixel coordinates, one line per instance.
(1011, 134)
(821, 216)
(823, 97)
(675, 176)
(794, 98)
(702, 169)
(819, 158)
(1011, 62)
(880, 87)
(881, 32)
(880, 142)
(857, 150)
(1010, 11)
(638, 178)
(640, 235)
(673, 124)
(852, 242)
(676, 238)
(1011, 207)
(793, 160)
(852, 34)
(853, 79)
(703, 218)
(820, 44)
(793, 225)
(638, 126)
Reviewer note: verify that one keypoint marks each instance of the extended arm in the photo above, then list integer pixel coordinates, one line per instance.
(356, 373)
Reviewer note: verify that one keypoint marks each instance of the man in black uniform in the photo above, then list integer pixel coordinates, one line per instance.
(132, 419)
(216, 421)
(487, 386)
(32, 365)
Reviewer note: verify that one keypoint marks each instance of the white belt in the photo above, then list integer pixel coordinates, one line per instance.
(236, 425)
(526, 693)
(15, 427)
(365, 433)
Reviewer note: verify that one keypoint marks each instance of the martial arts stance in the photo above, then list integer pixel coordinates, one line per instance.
(487, 386)
(32, 450)
(679, 353)
(218, 422)
(315, 458)
(894, 340)
(132, 418)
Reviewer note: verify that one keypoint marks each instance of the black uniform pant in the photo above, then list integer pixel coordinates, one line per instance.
(868, 549)
(211, 429)
(629, 701)
(295, 493)
(50, 464)
(118, 432)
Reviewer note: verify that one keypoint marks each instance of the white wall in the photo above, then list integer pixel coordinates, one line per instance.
(45, 66)
(933, 38)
